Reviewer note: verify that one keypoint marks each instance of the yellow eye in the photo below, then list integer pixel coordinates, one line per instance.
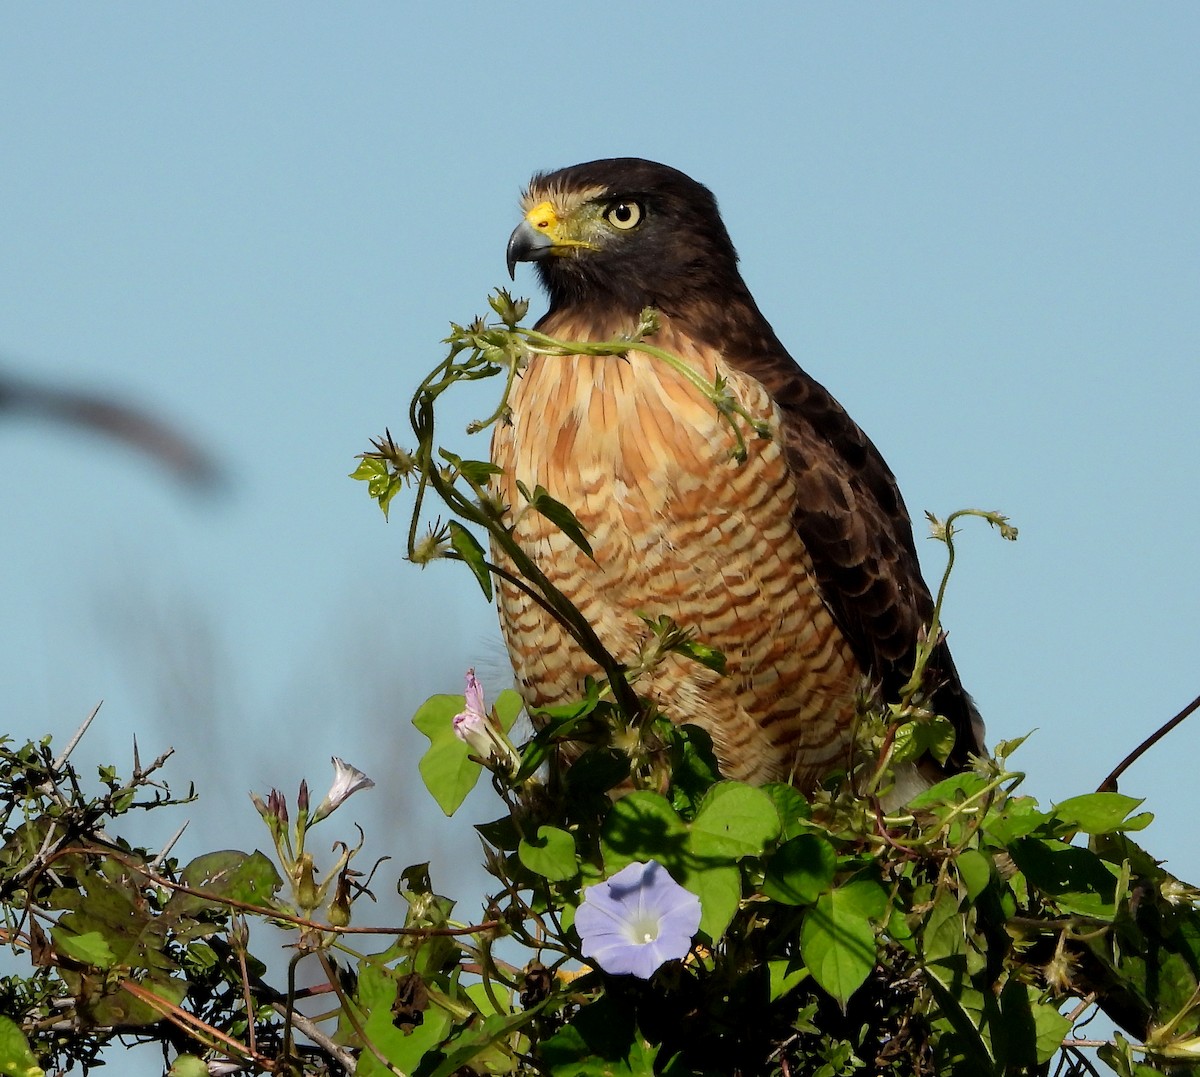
(624, 215)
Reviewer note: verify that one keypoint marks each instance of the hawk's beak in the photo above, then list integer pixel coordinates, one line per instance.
(527, 244)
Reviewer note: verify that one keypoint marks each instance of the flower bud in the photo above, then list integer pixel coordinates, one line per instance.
(339, 907)
(307, 893)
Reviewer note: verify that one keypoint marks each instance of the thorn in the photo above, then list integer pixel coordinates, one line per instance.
(65, 754)
(162, 853)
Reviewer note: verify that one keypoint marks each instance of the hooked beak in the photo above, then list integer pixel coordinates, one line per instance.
(527, 244)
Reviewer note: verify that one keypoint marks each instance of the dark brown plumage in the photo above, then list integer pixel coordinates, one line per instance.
(798, 564)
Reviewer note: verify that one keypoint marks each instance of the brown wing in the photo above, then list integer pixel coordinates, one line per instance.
(854, 523)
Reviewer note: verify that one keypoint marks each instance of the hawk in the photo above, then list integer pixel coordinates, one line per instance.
(798, 564)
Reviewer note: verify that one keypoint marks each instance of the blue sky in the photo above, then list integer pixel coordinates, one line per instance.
(977, 224)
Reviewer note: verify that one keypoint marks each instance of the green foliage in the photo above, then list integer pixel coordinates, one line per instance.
(967, 932)
(16, 1059)
(944, 936)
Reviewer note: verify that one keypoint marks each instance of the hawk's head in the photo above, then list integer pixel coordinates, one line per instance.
(626, 233)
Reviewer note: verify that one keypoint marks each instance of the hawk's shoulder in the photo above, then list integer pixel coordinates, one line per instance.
(856, 527)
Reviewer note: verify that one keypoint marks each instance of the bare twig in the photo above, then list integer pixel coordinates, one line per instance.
(195, 1027)
(1109, 785)
(309, 1027)
(1079, 1010)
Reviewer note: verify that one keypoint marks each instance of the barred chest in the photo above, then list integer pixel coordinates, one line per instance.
(678, 528)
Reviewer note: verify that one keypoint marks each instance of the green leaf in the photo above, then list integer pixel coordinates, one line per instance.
(899, 930)
(707, 656)
(1074, 879)
(784, 975)
(230, 873)
(556, 724)
(1176, 983)
(551, 855)
(482, 1046)
(1119, 1055)
(476, 472)
(467, 547)
(507, 709)
(641, 827)
(369, 469)
(563, 715)
(720, 891)
(1003, 749)
(933, 736)
(90, 948)
(694, 768)
(404, 1050)
(478, 994)
(975, 871)
(382, 483)
(448, 773)
(558, 514)
(1101, 813)
(864, 895)
(942, 935)
(735, 820)
(800, 870)
(595, 1043)
(964, 1016)
(111, 902)
(838, 944)
(121, 1008)
(794, 811)
(188, 1066)
(1050, 1027)
(1017, 817)
(952, 790)
(502, 833)
(16, 1059)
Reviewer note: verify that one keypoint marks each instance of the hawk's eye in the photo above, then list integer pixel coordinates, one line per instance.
(624, 215)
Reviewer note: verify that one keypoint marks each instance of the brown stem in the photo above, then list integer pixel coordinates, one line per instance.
(1109, 785)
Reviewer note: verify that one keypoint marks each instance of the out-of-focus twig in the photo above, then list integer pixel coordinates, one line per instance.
(135, 426)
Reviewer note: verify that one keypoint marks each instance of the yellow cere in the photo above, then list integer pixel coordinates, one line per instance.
(543, 218)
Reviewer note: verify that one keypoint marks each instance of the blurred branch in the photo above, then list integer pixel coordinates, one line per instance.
(115, 418)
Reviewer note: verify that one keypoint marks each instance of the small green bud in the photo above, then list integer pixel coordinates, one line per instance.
(307, 892)
(511, 311)
(339, 907)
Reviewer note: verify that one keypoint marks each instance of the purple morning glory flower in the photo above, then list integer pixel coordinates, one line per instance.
(637, 920)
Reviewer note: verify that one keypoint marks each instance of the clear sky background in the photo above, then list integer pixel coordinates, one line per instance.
(976, 224)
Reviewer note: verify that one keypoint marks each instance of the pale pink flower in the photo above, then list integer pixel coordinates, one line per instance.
(347, 781)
